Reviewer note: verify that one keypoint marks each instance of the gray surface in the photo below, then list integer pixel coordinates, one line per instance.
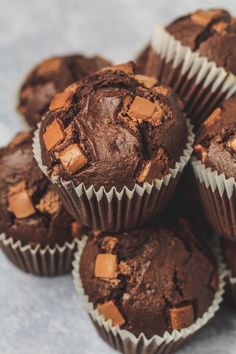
(45, 316)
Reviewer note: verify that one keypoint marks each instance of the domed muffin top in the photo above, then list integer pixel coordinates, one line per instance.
(113, 128)
(30, 209)
(216, 140)
(210, 32)
(50, 77)
(150, 280)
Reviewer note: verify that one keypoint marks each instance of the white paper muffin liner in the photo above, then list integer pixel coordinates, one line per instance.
(199, 82)
(113, 210)
(125, 341)
(218, 195)
(38, 260)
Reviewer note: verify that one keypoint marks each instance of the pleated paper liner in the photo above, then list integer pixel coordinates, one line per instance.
(117, 211)
(218, 195)
(200, 84)
(125, 341)
(42, 261)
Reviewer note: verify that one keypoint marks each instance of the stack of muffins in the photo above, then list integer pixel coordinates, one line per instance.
(103, 180)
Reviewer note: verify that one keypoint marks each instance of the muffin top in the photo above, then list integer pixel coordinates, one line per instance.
(216, 141)
(150, 280)
(30, 209)
(113, 128)
(229, 251)
(48, 78)
(210, 32)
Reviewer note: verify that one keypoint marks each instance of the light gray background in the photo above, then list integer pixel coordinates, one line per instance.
(45, 316)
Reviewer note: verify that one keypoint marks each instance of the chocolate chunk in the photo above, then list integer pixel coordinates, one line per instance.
(220, 26)
(109, 243)
(127, 68)
(157, 115)
(147, 81)
(49, 65)
(149, 172)
(203, 18)
(124, 268)
(49, 203)
(72, 158)
(213, 117)
(182, 317)
(106, 266)
(110, 312)
(232, 143)
(141, 108)
(53, 135)
(20, 138)
(154, 168)
(162, 90)
(19, 202)
(61, 100)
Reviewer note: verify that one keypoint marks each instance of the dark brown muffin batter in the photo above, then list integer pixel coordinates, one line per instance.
(113, 128)
(51, 76)
(30, 209)
(150, 280)
(216, 141)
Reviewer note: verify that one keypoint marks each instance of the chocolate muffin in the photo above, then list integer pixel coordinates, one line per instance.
(212, 33)
(113, 121)
(215, 168)
(216, 141)
(151, 280)
(30, 209)
(195, 55)
(50, 77)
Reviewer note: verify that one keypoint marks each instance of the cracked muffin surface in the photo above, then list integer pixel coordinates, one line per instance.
(113, 128)
(30, 209)
(149, 280)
